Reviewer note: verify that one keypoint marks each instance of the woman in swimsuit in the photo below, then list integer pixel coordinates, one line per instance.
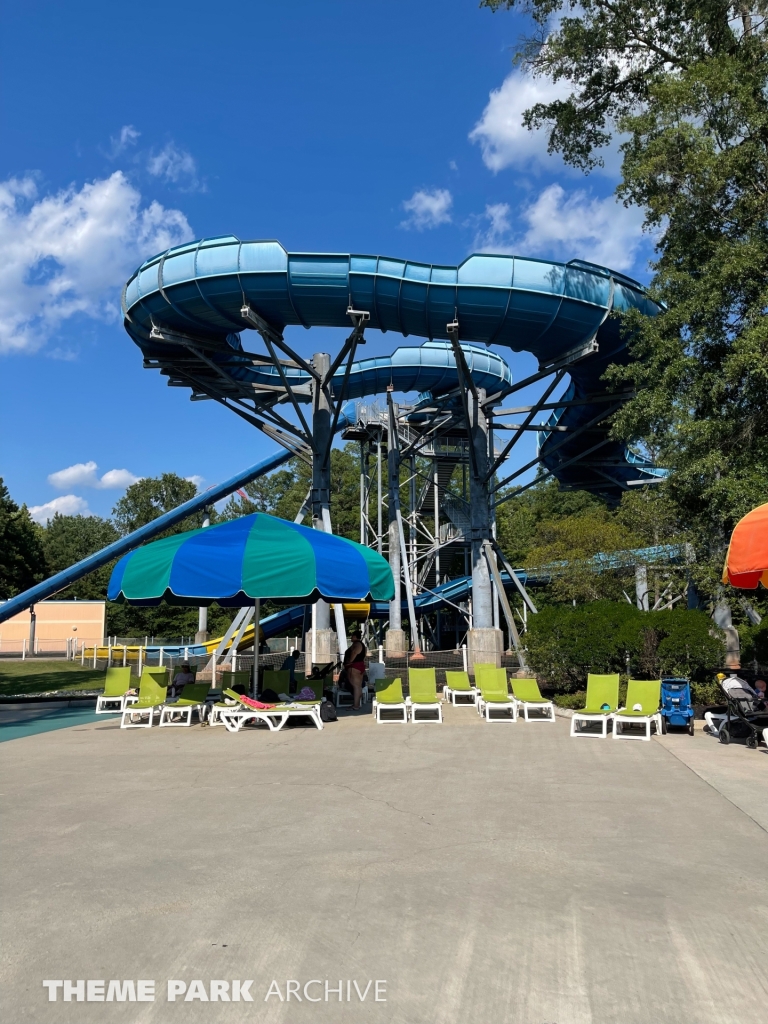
(354, 663)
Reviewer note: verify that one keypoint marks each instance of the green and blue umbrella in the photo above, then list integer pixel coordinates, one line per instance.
(254, 557)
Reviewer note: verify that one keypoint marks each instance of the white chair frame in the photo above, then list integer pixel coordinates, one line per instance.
(168, 711)
(645, 720)
(413, 707)
(102, 701)
(527, 706)
(378, 707)
(450, 695)
(484, 709)
(131, 712)
(605, 721)
(235, 719)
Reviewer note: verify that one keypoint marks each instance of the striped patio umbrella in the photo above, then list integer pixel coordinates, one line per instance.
(256, 557)
(746, 563)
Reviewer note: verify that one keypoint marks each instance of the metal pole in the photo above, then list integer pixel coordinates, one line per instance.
(412, 521)
(379, 537)
(141, 652)
(32, 626)
(393, 473)
(436, 492)
(363, 491)
(82, 654)
(314, 635)
(321, 470)
(202, 612)
(479, 502)
(256, 644)
(125, 655)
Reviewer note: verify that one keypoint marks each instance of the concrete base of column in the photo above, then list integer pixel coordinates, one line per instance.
(395, 645)
(732, 647)
(202, 637)
(326, 648)
(484, 646)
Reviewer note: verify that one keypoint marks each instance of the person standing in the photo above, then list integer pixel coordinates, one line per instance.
(354, 664)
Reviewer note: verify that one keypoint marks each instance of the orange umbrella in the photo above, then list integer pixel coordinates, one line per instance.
(746, 563)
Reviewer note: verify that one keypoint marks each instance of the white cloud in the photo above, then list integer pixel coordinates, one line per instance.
(493, 236)
(118, 479)
(504, 139)
(66, 505)
(177, 166)
(428, 209)
(500, 132)
(83, 474)
(196, 480)
(576, 225)
(566, 225)
(128, 136)
(70, 253)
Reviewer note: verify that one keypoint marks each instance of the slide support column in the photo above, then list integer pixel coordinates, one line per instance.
(322, 646)
(395, 637)
(485, 641)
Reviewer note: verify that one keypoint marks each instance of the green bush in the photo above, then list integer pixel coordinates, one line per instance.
(575, 701)
(706, 693)
(755, 643)
(565, 644)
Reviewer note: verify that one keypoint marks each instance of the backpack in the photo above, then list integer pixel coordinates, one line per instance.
(328, 712)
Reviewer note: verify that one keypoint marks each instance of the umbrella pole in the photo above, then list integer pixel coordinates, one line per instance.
(256, 643)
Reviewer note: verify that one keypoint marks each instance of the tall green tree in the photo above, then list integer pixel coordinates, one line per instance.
(683, 84)
(149, 498)
(282, 493)
(22, 559)
(69, 539)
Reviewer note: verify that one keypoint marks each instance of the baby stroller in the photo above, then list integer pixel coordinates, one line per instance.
(676, 707)
(746, 718)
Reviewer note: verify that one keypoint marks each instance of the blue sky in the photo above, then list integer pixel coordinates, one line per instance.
(380, 127)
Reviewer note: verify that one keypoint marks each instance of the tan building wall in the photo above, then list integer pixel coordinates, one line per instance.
(56, 622)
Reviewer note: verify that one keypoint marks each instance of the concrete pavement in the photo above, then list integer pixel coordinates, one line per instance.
(485, 873)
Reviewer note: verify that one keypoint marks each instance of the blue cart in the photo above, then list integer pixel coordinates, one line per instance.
(676, 707)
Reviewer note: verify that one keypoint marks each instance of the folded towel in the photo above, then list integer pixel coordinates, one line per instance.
(257, 704)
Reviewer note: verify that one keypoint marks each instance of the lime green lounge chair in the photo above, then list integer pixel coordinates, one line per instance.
(457, 684)
(235, 715)
(423, 699)
(642, 708)
(278, 680)
(389, 697)
(153, 690)
(116, 684)
(601, 691)
(229, 680)
(317, 686)
(179, 712)
(494, 694)
(528, 697)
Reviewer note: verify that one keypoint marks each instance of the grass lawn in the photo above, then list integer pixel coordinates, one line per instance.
(37, 676)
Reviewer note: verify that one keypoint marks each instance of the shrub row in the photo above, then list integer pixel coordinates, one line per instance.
(565, 644)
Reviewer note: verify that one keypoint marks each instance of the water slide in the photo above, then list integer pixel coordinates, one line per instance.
(201, 294)
(556, 311)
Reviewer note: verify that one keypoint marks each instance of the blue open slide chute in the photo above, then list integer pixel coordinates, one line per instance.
(560, 312)
(198, 298)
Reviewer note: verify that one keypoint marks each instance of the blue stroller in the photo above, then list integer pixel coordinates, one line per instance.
(676, 707)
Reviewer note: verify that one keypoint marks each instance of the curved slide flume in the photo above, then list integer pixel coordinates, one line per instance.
(553, 310)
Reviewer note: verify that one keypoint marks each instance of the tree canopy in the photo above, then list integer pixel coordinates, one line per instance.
(680, 87)
(22, 559)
